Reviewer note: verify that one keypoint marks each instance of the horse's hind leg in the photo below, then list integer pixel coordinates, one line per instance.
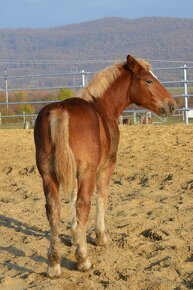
(83, 204)
(103, 181)
(74, 220)
(51, 190)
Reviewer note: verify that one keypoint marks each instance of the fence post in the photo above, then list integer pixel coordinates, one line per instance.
(23, 117)
(185, 94)
(134, 118)
(6, 88)
(83, 78)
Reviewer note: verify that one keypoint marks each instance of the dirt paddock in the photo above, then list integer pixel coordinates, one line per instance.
(149, 219)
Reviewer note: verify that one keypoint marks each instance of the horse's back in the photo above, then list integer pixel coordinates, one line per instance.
(82, 116)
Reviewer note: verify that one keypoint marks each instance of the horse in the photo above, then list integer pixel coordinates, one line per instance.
(76, 144)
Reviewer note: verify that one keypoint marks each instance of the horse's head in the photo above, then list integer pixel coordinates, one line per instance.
(146, 90)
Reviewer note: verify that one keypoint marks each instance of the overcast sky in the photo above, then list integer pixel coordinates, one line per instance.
(51, 13)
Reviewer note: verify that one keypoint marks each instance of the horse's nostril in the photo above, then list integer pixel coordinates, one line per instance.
(162, 112)
(172, 108)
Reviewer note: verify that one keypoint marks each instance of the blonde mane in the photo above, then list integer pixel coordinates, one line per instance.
(104, 79)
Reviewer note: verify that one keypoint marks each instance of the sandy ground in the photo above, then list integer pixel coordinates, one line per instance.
(149, 218)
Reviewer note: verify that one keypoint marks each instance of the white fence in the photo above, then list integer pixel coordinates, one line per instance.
(78, 79)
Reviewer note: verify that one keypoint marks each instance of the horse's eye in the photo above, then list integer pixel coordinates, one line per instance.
(149, 82)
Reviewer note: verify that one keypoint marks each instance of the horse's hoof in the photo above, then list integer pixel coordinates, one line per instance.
(102, 241)
(84, 266)
(54, 272)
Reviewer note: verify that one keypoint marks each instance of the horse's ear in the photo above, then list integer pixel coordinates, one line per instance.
(133, 65)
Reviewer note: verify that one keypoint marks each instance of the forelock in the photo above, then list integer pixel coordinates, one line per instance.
(145, 64)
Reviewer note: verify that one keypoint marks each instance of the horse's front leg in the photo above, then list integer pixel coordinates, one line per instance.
(103, 181)
(83, 204)
(51, 190)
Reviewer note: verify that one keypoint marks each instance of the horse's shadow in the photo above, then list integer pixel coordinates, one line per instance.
(22, 227)
(31, 231)
(19, 253)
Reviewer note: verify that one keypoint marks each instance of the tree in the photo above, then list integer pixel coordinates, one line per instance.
(65, 93)
(28, 109)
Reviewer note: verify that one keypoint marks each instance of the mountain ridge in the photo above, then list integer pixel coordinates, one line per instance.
(112, 37)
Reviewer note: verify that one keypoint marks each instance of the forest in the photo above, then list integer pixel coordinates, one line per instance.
(103, 39)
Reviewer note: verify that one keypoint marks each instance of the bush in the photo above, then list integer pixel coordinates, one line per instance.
(64, 94)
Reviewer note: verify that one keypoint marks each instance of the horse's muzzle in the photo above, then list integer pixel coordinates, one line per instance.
(168, 109)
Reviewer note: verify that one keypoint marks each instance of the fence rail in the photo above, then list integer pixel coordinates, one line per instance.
(82, 79)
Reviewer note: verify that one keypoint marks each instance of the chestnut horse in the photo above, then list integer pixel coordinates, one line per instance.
(76, 147)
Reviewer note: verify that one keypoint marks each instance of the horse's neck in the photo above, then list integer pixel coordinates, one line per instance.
(115, 99)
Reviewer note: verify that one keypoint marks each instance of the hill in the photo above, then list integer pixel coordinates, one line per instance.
(79, 46)
(108, 38)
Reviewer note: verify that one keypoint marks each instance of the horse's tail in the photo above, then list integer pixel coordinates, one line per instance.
(64, 164)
